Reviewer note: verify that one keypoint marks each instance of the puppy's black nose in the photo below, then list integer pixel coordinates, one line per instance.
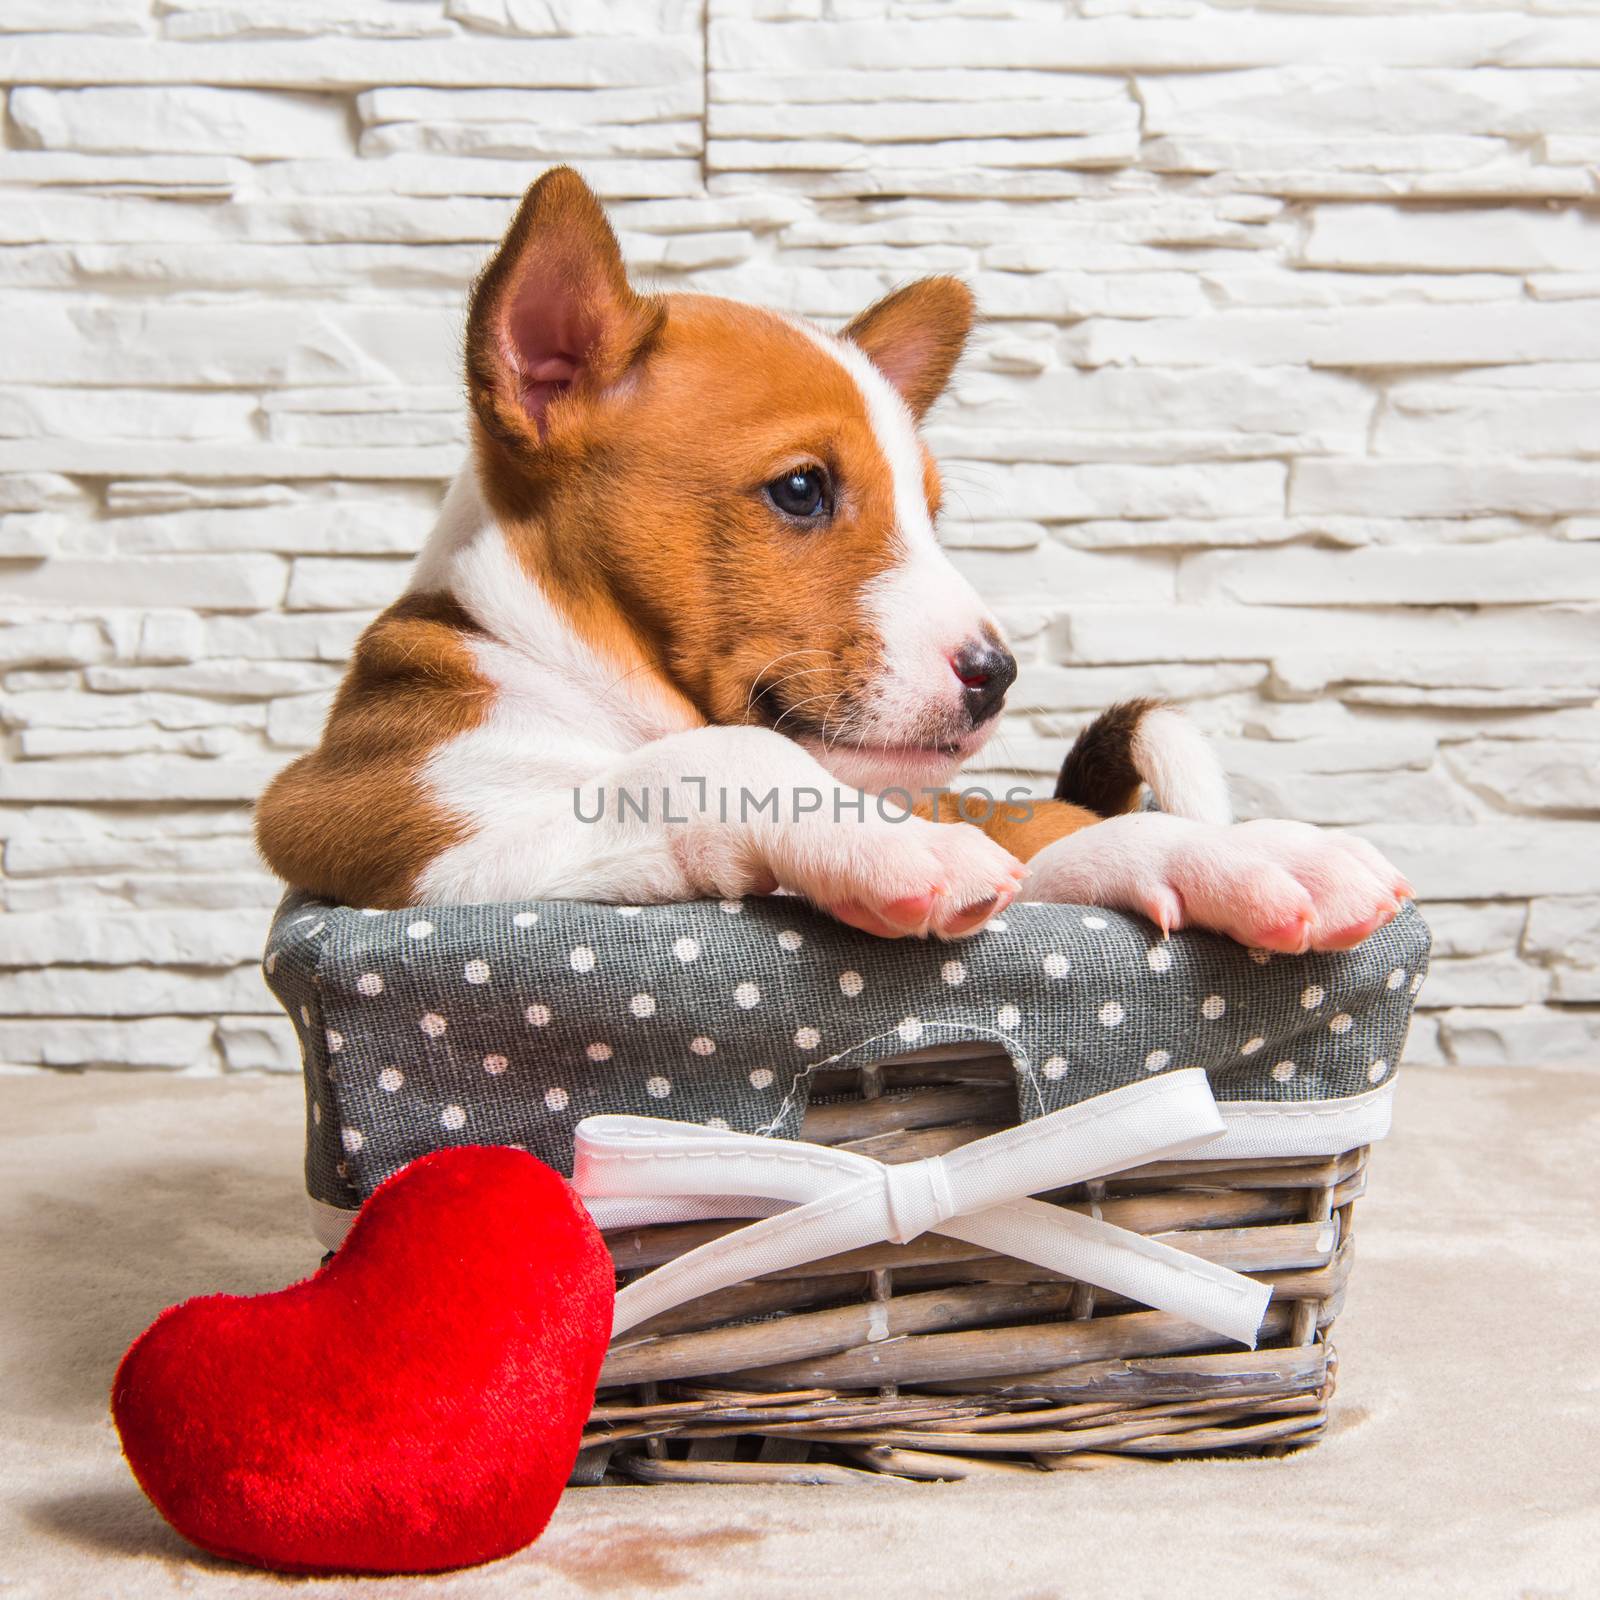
(986, 671)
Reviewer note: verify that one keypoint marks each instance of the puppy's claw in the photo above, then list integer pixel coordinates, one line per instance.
(972, 917)
(911, 914)
(1349, 938)
(867, 920)
(1163, 907)
(1287, 938)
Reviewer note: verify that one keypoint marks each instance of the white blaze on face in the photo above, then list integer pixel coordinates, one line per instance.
(922, 608)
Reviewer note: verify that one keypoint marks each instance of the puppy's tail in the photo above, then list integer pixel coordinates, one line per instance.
(1142, 742)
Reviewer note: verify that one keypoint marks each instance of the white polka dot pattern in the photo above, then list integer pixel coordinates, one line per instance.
(710, 1016)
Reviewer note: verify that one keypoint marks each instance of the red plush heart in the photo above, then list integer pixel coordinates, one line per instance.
(414, 1406)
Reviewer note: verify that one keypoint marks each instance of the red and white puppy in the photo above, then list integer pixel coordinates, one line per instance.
(691, 562)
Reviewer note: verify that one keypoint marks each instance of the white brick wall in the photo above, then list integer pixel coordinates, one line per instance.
(1288, 407)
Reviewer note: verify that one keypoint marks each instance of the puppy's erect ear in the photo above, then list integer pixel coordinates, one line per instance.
(915, 336)
(553, 314)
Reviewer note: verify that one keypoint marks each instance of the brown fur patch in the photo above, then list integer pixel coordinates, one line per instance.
(1099, 772)
(351, 820)
(1022, 828)
(932, 484)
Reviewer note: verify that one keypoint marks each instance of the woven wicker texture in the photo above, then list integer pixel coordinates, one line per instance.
(937, 1360)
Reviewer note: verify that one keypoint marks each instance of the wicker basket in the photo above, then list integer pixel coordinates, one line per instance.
(939, 1360)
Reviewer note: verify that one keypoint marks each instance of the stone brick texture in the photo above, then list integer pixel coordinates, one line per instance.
(1287, 406)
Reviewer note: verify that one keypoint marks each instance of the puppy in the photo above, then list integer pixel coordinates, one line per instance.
(690, 566)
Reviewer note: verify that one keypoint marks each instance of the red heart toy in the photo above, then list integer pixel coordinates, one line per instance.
(413, 1406)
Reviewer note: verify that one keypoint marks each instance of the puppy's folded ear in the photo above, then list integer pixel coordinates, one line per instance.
(915, 336)
(552, 317)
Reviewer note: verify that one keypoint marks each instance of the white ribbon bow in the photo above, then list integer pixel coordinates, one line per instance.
(839, 1200)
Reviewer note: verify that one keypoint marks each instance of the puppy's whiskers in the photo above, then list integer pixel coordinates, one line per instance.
(828, 714)
(809, 700)
(757, 687)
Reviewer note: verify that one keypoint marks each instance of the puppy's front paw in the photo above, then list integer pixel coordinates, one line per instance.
(903, 878)
(1282, 886)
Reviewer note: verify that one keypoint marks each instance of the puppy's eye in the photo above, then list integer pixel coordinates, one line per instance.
(804, 494)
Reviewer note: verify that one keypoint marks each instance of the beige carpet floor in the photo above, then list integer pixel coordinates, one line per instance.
(1465, 1458)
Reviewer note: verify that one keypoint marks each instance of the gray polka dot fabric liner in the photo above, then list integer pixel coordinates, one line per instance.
(508, 1024)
